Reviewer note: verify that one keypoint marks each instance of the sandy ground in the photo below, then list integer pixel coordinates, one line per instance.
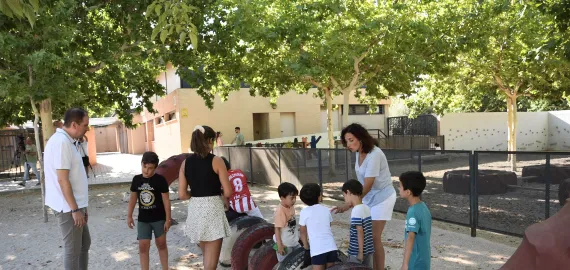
(29, 243)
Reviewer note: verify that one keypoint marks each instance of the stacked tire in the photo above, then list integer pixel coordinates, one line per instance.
(255, 234)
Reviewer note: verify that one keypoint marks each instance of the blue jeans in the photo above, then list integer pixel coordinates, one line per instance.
(27, 166)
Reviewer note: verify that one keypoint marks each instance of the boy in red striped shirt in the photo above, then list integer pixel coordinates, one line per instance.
(241, 200)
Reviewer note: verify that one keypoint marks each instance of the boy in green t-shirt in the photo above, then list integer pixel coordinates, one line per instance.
(417, 251)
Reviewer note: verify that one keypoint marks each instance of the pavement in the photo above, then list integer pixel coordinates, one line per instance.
(111, 168)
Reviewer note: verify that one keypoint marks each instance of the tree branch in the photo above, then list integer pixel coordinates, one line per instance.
(311, 80)
(335, 83)
(501, 85)
(373, 74)
(95, 68)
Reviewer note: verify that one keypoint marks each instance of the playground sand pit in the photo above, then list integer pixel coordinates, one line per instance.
(29, 243)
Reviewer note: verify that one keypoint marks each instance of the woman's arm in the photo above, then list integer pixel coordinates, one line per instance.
(182, 183)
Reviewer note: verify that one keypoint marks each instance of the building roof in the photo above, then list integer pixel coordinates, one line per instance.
(102, 122)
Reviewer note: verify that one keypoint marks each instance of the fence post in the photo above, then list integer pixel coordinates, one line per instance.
(319, 155)
(251, 164)
(347, 164)
(471, 197)
(474, 194)
(419, 161)
(548, 179)
(229, 155)
(279, 155)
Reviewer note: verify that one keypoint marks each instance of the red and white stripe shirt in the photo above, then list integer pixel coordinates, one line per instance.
(241, 200)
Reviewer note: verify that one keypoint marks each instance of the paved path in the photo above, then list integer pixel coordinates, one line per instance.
(110, 168)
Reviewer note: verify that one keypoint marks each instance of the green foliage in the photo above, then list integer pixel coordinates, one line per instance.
(94, 54)
(504, 48)
(280, 46)
(174, 20)
(19, 9)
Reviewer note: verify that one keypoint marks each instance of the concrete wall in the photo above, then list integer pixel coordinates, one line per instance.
(106, 138)
(166, 135)
(136, 140)
(559, 131)
(488, 131)
(169, 79)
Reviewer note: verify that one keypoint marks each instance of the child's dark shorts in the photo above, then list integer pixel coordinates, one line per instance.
(145, 229)
(322, 259)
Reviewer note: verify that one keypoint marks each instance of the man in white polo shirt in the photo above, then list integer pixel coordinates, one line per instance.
(66, 187)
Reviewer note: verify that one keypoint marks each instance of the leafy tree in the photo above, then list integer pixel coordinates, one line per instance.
(93, 54)
(506, 48)
(19, 9)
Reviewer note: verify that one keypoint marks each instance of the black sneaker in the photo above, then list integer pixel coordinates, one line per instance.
(22, 184)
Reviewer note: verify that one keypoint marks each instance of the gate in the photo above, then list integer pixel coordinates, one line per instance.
(423, 125)
(11, 144)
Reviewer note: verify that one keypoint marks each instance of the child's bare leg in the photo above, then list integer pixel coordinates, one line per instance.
(330, 265)
(162, 251)
(144, 247)
(319, 267)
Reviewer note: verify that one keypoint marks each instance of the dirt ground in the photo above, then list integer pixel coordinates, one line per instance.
(29, 243)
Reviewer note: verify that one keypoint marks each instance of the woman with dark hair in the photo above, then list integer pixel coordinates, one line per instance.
(207, 176)
(373, 173)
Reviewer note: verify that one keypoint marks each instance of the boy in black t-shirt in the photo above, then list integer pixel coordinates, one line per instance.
(151, 191)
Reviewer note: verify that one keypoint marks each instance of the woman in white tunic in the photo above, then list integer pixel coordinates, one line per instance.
(373, 173)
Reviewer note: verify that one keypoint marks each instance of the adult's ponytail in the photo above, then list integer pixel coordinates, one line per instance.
(202, 139)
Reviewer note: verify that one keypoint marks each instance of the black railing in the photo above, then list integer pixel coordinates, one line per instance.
(475, 189)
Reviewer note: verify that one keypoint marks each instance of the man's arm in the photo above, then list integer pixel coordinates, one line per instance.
(63, 180)
(408, 249)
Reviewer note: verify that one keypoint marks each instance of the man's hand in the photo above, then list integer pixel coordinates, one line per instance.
(130, 222)
(78, 219)
(167, 225)
(404, 267)
(280, 249)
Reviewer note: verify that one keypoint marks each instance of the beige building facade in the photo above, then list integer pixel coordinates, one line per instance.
(168, 132)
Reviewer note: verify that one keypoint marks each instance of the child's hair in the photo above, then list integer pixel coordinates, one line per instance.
(353, 186)
(201, 138)
(286, 189)
(150, 158)
(228, 166)
(310, 194)
(413, 181)
(238, 128)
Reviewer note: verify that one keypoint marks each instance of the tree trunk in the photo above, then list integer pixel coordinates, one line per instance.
(345, 110)
(47, 121)
(328, 100)
(512, 129)
(41, 177)
(345, 107)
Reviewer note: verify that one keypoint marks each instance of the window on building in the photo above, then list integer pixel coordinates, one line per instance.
(159, 120)
(364, 109)
(170, 116)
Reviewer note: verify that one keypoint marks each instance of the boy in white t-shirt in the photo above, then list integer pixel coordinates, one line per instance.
(361, 247)
(315, 222)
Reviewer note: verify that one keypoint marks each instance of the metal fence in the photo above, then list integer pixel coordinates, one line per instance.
(10, 157)
(475, 189)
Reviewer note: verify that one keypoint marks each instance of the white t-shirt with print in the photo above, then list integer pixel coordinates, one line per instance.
(62, 154)
(318, 220)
